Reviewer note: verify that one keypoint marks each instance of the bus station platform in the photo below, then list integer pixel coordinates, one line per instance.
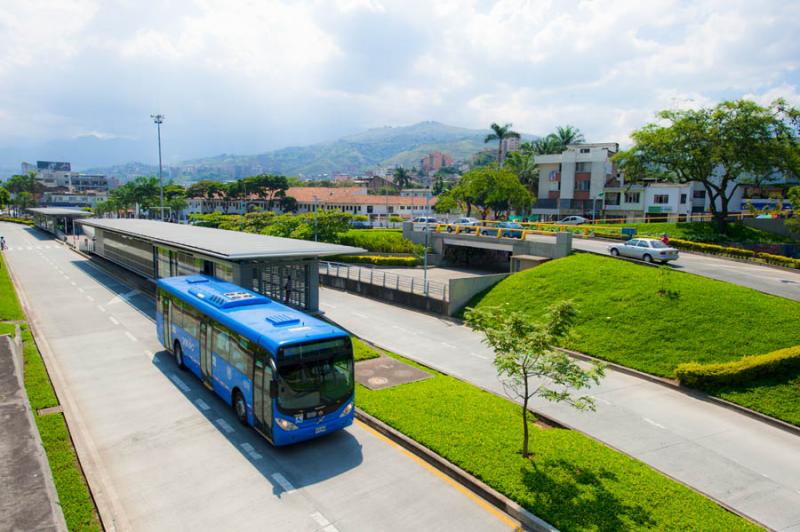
(284, 269)
(56, 220)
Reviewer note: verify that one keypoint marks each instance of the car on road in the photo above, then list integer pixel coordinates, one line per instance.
(467, 225)
(508, 230)
(646, 249)
(422, 223)
(573, 220)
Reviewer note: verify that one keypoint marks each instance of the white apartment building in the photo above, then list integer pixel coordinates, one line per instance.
(59, 175)
(573, 182)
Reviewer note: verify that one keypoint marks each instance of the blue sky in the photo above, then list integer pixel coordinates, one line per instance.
(248, 76)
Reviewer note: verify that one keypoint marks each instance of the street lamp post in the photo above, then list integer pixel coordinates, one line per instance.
(427, 238)
(158, 119)
(316, 206)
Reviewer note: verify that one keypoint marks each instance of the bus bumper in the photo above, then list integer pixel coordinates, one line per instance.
(310, 430)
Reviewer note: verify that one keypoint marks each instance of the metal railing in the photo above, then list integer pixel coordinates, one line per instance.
(387, 279)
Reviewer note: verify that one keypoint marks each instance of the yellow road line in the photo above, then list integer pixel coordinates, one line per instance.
(502, 516)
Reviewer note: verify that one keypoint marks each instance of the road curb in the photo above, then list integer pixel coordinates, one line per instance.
(693, 392)
(528, 520)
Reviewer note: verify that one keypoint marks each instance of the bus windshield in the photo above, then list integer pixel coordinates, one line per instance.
(315, 375)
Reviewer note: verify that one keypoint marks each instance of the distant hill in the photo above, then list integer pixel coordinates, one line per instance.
(353, 154)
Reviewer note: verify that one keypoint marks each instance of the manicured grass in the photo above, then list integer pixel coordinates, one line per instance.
(778, 397)
(379, 240)
(76, 502)
(7, 328)
(9, 306)
(363, 351)
(572, 481)
(37, 382)
(623, 319)
(698, 232)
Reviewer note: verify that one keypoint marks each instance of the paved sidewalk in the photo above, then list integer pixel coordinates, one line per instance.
(749, 465)
(28, 500)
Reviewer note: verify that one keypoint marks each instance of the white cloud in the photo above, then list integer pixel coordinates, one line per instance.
(250, 75)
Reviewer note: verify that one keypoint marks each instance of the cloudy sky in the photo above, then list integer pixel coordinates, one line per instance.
(245, 76)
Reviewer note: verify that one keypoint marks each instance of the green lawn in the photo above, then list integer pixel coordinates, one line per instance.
(379, 240)
(572, 481)
(623, 319)
(363, 351)
(9, 306)
(776, 396)
(698, 232)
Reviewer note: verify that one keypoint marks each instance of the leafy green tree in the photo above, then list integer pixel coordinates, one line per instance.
(101, 208)
(569, 135)
(205, 189)
(720, 147)
(268, 187)
(401, 177)
(327, 225)
(438, 185)
(448, 202)
(500, 133)
(527, 361)
(5, 197)
(491, 188)
(547, 145)
(523, 164)
(794, 197)
(288, 204)
(23, 200)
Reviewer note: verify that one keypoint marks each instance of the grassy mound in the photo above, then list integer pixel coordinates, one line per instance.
(652, 319)
(699, 232)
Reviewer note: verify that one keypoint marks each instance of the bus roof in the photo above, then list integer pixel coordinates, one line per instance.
(252, 315)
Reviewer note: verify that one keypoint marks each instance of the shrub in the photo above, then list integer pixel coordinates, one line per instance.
(740, 371)
(379, 241)
(715, 249)
(379, 260)
(16, 220)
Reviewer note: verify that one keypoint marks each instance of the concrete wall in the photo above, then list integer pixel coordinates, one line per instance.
(381, 293)
(464, 289)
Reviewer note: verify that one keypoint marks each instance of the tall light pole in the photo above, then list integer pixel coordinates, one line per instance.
(159, 119)
(316, 206)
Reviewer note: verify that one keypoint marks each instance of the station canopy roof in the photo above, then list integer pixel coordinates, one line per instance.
(56, 211)
(221, 243)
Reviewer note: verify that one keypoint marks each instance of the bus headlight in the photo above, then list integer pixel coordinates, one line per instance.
(285, 424)
(346, 410)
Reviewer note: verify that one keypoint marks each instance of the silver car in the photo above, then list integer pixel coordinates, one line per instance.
(646, 249)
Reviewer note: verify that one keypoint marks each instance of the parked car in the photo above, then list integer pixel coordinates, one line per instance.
(646, 249)
(509, 230)
(468, 225)
(573, 220)
(358, 224)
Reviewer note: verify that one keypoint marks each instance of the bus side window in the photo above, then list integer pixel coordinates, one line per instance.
(220, 343)
(191, 321)
(241, 358)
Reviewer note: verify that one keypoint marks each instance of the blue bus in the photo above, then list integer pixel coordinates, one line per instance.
(285, 373)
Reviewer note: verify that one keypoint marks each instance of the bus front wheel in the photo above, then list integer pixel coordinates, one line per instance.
(178, 355)
(239, 407)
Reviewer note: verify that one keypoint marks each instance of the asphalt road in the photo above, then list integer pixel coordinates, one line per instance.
(749, 465)
(773, 281)
(163, 453)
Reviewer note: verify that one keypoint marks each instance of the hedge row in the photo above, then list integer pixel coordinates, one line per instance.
(379, 260)
(16, 220)
(715, 249)
(741, 371)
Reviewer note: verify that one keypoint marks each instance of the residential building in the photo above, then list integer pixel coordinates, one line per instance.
(58, 176)
(510, 144)
(65, 199)
(573, 181)
(434, 161)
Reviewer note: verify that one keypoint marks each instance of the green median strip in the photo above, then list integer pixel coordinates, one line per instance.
(73, 492)
(572, 481)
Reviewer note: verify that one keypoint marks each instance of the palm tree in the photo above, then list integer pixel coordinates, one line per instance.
(500, 134)
(547, 145)
(401, 177)
(569, 135)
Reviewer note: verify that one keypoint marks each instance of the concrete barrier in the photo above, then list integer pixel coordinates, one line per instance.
(462, 290)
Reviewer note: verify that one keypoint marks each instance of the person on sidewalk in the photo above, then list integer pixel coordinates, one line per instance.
(665, 239)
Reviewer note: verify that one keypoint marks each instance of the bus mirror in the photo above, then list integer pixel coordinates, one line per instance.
(273, 389)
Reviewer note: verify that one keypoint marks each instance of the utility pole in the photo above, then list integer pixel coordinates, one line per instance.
(158, 119)
(316, 206)
(427, 237)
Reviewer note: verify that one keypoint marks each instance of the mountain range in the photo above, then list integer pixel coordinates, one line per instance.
(352, 154)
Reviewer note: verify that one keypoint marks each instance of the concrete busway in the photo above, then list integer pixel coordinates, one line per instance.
(750, 465)
(163, 453)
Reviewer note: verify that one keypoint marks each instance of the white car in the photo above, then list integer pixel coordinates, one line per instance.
(423, 223)
(573, 220)
(646, 249)
(467, 225)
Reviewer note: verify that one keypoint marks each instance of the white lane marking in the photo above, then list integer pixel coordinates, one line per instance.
(113, 320)
(324, 304)
(604, 401)
(479, 356)
(451, 346)
(648, 420)
(251, 451)
(130, 336)
(180, 384)
(123, 297)
(101, 308)
(360, 315)
(73, 283)
(148, 354)
(285, 484)
(224, 424)
(66, 277)
(322, 521)
(90, 298)
(398, 328)
(202, 404)
(31, 247)
(80, 289)
(765, 476)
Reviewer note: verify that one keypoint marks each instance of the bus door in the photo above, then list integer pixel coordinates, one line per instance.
(262, 402)
(166, 320)
(205, 353)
